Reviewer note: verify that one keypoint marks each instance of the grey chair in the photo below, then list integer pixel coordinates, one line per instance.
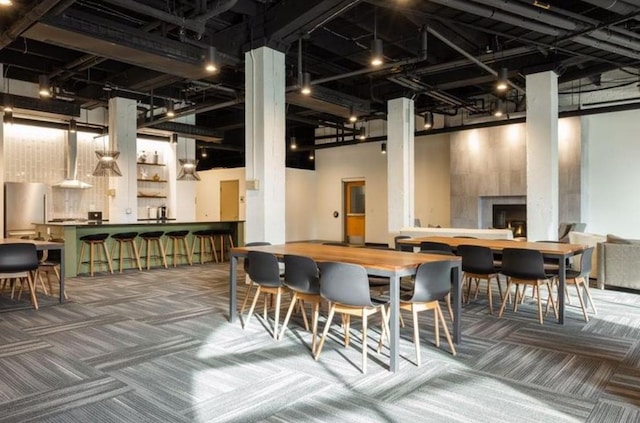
(50, 262)
(523, 266)
(346, 287)
(581, 278)
(248, 280)
(265, 272)
(401, 247)
(336, 244)
(432, 283)
(477, 265)
(302, 277)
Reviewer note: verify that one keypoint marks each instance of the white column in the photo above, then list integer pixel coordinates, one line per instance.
(123, 206)
(542, 156)
(2, 85)
(400, 164)
(265, 145)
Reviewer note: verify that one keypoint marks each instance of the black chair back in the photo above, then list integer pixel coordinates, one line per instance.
(264, 269)
(429, 245)
(439, 252)
(401, 247)
(18, 257)
(301, 274)
(336, 244)
(253, 244)
(476, 259)
(432, 281)
(522, 263)
(345, 283)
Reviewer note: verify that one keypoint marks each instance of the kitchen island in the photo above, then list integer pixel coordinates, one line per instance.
(71, 231)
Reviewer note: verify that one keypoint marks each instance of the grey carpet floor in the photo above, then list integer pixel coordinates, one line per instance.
(156, 346)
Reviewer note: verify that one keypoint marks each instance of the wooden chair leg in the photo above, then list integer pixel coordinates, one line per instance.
(314, 326)
(536, 290)
(332, 311)
(81, 255)
(288, 315)
(106, 253)
(448, 301)
(253, 306)
(582, 305)
(446, 331)
(586, 290)
(364, 342)
(416, 333)
(504, 300)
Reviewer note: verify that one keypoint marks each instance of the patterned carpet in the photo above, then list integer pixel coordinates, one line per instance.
(156, 346)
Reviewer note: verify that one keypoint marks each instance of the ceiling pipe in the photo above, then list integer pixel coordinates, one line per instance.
(192, 110)
(32, 16)
(470, 57)
(489, 13)
(196, 24)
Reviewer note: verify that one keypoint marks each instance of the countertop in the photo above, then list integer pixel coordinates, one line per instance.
(79, 223)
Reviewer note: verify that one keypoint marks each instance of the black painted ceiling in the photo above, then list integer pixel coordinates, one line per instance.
(152, 50)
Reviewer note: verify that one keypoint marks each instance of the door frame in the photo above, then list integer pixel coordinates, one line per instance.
(345, 213)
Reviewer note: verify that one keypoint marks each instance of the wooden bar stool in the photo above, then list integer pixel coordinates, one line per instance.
(200, 239)
(122, 240)
(223, 234)
(148, 240)
(91, 241)
(178, 242)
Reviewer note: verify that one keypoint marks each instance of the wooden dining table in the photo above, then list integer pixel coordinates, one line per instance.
(554, 250)
(43, 246)
(377, 262)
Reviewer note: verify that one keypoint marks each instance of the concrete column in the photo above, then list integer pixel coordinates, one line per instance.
(4, 90)
(400, 164)
(123, 204)
(542, 156)
(265, 145)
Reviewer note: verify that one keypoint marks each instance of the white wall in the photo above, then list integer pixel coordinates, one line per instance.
(432, 180)
(301, 205)
(613, 203)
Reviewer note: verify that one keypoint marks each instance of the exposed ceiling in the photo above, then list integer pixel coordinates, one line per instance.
(443, 53)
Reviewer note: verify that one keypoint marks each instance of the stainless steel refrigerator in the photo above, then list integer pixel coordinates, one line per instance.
(25, 203)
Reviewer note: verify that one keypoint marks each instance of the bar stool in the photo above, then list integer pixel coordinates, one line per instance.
(122, 240)
(200, 239)
(174, 239)
(94, 240)
(223, 233)
(148, 240)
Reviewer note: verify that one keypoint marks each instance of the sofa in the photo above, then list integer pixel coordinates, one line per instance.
(590, 240)
(452, 232)
(619, 262)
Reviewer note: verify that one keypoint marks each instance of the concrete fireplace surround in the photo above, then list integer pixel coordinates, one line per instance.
(486, 203)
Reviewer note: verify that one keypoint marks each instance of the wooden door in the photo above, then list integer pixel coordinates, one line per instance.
(229, 201)
(354, 211)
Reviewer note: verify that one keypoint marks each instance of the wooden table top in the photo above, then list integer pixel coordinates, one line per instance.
(370, 258)
(500, 244)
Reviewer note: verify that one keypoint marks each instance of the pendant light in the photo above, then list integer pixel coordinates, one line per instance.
(305, 85)
(377, 57)
(187, 167)
(383, 148)
(170, 110)
(107, 164)
(211, 59)
(428, 120)
(311, 155)
(6, 3)
(352, 116)
(73, 125)
(293, 143)
(503, 82)
(8, 117)
(44, 87)
(500, 109)
(362, 133)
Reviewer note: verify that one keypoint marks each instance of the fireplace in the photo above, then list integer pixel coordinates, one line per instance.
(512, 216)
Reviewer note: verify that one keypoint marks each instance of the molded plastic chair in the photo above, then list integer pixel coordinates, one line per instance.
(432, 283)
(18, 260)
(248, 280)
(523, 266)
(265, 272)
(302, 277)
(439, 246)
(477, 264)
(50, 262)
(402, 247)
(581, 278)
(346, 287)
(447, 298)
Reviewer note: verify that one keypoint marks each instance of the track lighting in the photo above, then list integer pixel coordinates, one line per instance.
(211, 59)
(428, 120)
(503, 82)
(44, 87)
(305, 85)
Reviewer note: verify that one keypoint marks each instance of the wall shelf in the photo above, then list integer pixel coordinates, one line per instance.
(151, 180)
(152, 196)
(150, 164)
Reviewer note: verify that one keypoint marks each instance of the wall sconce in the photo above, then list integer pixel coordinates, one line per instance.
(188, 170)
(428, 120)
(383, 148)
(44, 87)
(73, 125)
(305, 85)
(293, 143)
(503, 81)
(211, 59)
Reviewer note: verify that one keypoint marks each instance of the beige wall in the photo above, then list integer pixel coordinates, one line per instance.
(208, 193)
(432, 180)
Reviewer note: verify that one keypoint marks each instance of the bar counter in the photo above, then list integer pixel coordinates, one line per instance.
(71, 231)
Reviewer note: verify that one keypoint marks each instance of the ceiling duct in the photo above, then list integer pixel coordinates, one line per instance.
(71, 180)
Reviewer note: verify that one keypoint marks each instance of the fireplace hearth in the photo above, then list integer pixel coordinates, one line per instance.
(511, 216)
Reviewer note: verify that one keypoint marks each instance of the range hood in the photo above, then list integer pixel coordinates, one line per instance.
(71, 180)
